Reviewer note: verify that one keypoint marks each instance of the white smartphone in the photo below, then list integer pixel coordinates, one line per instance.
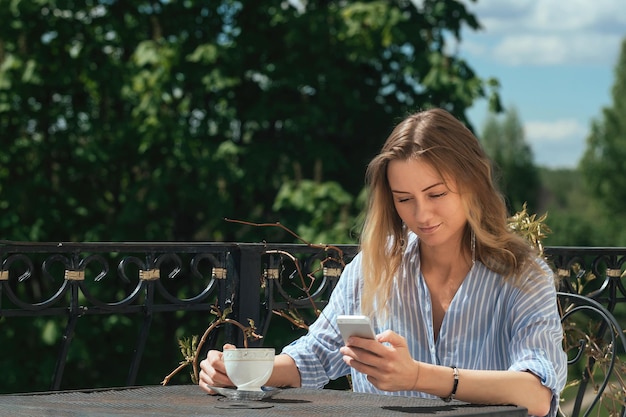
(359, 326)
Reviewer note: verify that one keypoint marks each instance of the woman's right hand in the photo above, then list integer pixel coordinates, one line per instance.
(213, 371)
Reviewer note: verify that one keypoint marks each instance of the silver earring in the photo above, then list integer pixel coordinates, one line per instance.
(473, 245)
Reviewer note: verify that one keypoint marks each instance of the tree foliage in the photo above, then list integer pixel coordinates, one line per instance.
(155, 120)
(572, 215)
(604, 161)
(516, 172)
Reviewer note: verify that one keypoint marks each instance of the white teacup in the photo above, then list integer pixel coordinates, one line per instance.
(249, 368)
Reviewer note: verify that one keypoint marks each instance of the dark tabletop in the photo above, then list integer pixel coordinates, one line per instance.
(189, 400)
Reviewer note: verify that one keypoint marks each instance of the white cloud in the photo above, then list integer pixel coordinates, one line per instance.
(548, 32)
(556, 155)
(561, 130)
(551, 15)
(556, 49)
(556, 144)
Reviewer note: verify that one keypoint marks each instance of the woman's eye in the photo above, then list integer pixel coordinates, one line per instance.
(403, 200)
(439, 195)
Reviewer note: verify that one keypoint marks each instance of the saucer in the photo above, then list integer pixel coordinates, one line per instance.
(235, 394)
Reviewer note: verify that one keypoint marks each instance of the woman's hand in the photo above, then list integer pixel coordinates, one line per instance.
(213, 371)
(386, 361)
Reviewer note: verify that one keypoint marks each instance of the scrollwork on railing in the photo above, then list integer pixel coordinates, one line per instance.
(11, 263)
(214, 264)
(594, 272)
(12, 259)
(298, 280)
(135, 274)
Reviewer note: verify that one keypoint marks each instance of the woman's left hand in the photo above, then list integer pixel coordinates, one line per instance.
(386, 361)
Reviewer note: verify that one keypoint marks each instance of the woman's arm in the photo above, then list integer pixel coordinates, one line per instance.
(285, 373)
(389, 367)
(486, 387)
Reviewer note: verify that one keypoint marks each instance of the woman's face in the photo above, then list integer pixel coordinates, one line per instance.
(425, 204)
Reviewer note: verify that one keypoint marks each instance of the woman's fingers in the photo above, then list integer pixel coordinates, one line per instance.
(213, 371)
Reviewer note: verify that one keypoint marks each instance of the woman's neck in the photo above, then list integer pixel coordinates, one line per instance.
(447, 263)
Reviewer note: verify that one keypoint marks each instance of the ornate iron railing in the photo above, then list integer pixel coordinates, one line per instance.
(257, 281)
(75, 280)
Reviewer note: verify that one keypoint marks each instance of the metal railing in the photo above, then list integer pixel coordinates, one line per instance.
(256, 281)
(76, 280)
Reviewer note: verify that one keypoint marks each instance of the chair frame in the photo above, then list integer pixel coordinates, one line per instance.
(608, 330)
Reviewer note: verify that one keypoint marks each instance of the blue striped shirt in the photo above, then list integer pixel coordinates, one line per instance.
(490, 325)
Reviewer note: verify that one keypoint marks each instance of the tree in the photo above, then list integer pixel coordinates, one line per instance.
(604, 161)
(572, 215)
(155, 120)
(516, 172)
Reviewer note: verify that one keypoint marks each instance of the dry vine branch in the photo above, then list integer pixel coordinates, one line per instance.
(292, 316)
(306, 288)
(285, 228)
(190, 351)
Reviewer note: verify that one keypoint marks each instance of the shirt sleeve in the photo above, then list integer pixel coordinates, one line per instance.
(537, 344)
(316, 354)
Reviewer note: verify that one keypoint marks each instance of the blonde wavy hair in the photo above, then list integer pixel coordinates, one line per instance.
(437, 137)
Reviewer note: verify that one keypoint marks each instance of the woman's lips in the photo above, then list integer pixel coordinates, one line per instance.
(428, 230)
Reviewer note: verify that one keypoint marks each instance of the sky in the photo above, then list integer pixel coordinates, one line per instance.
(555, 61)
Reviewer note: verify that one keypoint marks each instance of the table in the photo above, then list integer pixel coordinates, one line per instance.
(189, 400)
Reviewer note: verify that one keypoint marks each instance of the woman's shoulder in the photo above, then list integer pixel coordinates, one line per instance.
(537, 266)
(536, 275)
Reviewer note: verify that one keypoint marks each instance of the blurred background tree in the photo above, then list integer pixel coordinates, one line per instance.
(155, 120)
(604, 163)
(518, 177)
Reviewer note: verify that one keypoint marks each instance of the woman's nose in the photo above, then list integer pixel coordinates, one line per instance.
(421, 212)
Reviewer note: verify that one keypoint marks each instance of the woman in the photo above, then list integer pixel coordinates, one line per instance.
(463, 307)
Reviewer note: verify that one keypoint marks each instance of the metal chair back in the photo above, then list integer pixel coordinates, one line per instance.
(593, 340)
